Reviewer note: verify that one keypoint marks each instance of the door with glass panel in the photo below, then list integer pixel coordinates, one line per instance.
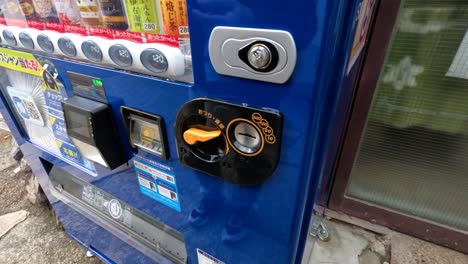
(404, 162)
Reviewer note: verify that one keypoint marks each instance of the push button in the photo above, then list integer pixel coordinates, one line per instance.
(92, 51)
(45, 43)
(120, 55)
(154, 60)
(9, 37)
(26, 40)
(67, 47)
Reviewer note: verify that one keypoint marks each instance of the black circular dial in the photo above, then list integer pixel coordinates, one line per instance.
(120, 55)
(26, 40)
(9, 37)
(92, 51)
(154, 60)
(67, 47)
(45, 43)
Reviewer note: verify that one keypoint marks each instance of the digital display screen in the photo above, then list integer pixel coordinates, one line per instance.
(87, 85)
(78, 123)
(145, 135)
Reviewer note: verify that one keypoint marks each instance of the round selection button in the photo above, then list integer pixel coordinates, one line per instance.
(45, 43)
(9, 37)
(120, 55)
(26, 40)
(67, 47)
(92, 51)
(154, 60)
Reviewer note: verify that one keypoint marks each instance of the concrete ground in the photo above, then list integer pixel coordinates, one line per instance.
(354, 245)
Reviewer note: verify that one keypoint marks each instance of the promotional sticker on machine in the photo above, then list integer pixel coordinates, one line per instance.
(70, 152)
(59, 129)
(25, 105)
(36, 96)
(54, 94)
(157, 182)
(363, 20)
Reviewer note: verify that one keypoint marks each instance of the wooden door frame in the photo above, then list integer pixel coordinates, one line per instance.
(386, 16)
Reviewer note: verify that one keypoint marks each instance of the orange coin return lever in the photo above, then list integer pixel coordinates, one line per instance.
(194, 135)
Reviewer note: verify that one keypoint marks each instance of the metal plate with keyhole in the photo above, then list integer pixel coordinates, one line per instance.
(226, 45)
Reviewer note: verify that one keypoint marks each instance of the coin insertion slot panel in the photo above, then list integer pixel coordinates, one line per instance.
(156, 235)
(171, 62)
(236, 143)
(145, 131)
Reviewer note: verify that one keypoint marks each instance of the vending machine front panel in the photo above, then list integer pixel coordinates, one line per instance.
(214, 142)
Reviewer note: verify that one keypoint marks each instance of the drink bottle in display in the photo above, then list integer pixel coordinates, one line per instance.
(142, 16)
(18, 9)
(68, 12)
(175, 20)
(89, 12)
(45, 10)
(113, 14)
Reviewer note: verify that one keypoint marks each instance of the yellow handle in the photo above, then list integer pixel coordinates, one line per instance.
(194, 135)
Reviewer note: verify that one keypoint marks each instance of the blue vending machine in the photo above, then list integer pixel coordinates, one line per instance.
(165, 131)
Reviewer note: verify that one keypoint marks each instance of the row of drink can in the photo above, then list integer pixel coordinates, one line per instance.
(168, 17)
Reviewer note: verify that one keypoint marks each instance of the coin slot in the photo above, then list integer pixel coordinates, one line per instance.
(245, 137)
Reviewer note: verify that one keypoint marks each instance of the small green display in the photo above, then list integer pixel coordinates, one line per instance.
(97, 82)
(87, 85)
